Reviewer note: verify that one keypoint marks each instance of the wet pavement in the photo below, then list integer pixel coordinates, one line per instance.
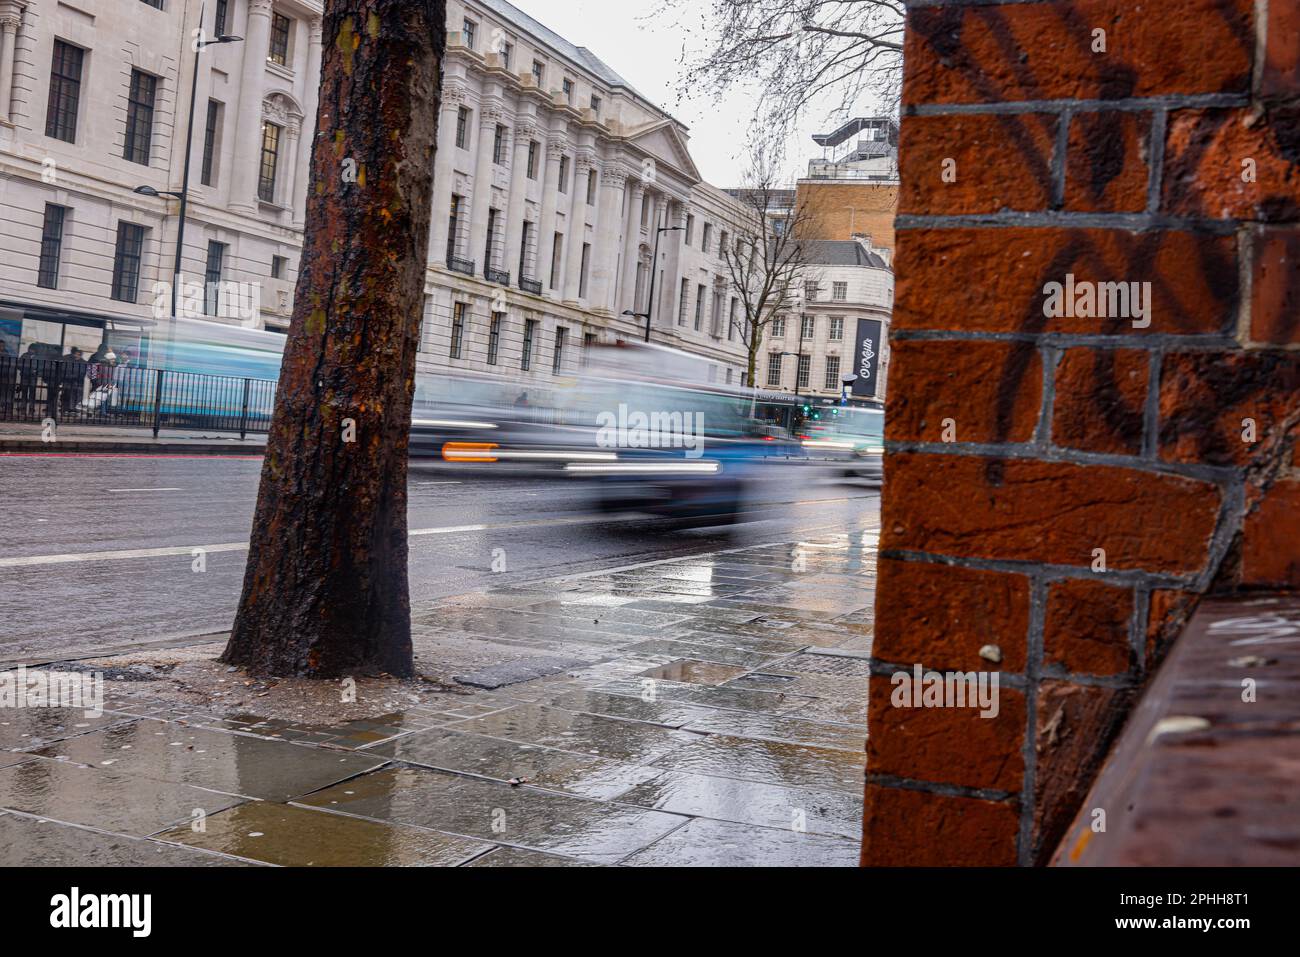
(705, 710)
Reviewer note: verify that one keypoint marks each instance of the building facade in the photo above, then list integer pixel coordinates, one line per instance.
(853, 187)
(555, 185)
(839, 327)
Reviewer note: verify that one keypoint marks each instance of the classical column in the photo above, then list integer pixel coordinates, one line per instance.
(490, 114)
(555, 144)
(603, 271)
(311, 103)
(631, 244)
(657, 240)
(248, 134)
(11, 17)
(670, 245)
(292, 132)
(444, 169)
(523, 134)
(583, 163)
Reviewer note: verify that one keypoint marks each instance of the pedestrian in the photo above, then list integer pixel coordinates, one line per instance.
(74, 378)
(28, 366)
(522, 401)
(8, 379)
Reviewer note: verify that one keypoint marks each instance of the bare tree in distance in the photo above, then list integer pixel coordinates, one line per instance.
(325, 591)
(766, 262)
(801, 55)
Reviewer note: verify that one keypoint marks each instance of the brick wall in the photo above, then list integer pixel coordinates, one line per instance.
(837, 210)
(1061, 487)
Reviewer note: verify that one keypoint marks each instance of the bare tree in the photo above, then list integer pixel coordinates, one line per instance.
(766, 260)
(325, 592)
(801, 54)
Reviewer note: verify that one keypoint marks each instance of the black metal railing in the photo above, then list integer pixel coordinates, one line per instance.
(496, 275)
(530, 285)
(79, 392)
(456, 264)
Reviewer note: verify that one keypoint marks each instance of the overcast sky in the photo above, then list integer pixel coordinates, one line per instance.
(647, 55)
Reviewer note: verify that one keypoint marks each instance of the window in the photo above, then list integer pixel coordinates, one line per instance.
(525, 249)
(507, 54)
(704, 240)
(557, 360)
(65, 92)
(595, 104)
(453, 226)
(280, 25)
(139, 117)
(557, 250)
(266, 173)
(699, 306)
(839, 291)
(532, 159)
(582, 275)
(494, 337)
(588, 340)
(837, 329)
(807, 327)
(690, 228)
(567, 86)
(715, 319)
(681, 302)
(722, 243)
(457, 328)
(539, 73)
(804, 367)
(126, 261)
(156, 4)
(778, 327)
(731, 319)
(212, 277)
(564, 174)
(774, 369)
(530, 333)
(219, 23)
(47, 276)
(490, 243)
(467, 34)
(462, 127)
(810, 291)
(591, 187)
(832, 373)
(279, 267)
(211, 128)
(645, 210)
(499, 145)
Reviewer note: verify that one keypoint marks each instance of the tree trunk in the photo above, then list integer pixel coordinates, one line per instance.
(325, 592)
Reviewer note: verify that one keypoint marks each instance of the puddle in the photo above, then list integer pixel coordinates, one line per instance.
(694, 672)
(707, 843)
(29, 842)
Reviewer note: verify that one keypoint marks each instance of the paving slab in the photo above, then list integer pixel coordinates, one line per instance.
(515, 672)
(231, 763)
(628, 741)
(292, 836)
(515, 857)
(126, 804)
(751, 802)
(34, 842)
(523, 816)
(670, 714)
(772, 762)
(708, 843)
(793, 730)
(24, 729)
(503, 760)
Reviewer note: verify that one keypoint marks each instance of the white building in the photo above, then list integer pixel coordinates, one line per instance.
(552, 178)
(839, 328)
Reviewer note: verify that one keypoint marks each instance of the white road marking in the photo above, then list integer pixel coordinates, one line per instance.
(146, 490)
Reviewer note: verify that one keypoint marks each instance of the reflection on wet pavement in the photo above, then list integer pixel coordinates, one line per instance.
(713, 712)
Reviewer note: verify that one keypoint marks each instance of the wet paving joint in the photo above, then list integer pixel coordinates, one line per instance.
(709, 709)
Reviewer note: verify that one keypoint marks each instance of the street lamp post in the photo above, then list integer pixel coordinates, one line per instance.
(654, 269)
(183, 194)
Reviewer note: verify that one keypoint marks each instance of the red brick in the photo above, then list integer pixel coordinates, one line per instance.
(1003, 162)
(1206, 397)
(1075, 725)
(1053, 512)
(1108, 162)
(1037, 51)
(993, 280)
(1167, 613)
(1270, 553)
(1204, 152)
(1087, 626)
(947, 745)
(1099, 400)
(942, 616)
(1281, 74)
(904, 828)
(961, 380)
(1275, 287)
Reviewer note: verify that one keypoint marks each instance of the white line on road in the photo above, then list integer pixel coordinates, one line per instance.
(145, 490)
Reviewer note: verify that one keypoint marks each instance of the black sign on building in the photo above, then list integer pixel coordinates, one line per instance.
(866, 357)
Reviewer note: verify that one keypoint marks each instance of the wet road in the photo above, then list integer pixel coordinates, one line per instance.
(98, 553)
